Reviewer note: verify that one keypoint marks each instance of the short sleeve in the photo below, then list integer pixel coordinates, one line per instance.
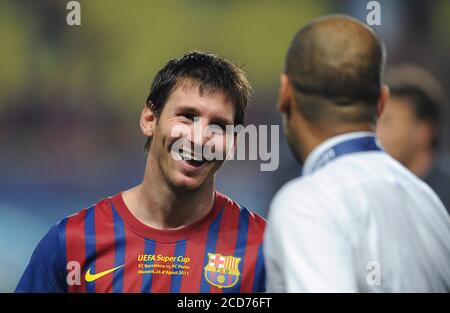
(46, 269)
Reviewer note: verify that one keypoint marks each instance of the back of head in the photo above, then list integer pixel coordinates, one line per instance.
(335, 66)
(422, 91)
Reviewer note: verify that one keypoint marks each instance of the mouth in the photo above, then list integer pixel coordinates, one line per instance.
(192, 159)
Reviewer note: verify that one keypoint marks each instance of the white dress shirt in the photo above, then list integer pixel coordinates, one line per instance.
(358, 222)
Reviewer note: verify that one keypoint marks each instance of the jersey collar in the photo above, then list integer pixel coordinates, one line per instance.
(167, 236)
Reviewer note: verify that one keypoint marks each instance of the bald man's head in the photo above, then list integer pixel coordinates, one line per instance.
(335, 66)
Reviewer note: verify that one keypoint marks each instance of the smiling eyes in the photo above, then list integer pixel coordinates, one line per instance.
(190, 117)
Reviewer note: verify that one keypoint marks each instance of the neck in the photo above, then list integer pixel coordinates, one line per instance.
(421, 162)
(158, 205)
(314, 136)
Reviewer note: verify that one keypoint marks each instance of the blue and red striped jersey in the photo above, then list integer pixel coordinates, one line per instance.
(105, 248)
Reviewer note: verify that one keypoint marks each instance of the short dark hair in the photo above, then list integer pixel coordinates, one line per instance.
(211, 72)
(423, 93)
(335, 66)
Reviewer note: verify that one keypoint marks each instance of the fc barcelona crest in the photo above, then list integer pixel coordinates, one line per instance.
(222, 271)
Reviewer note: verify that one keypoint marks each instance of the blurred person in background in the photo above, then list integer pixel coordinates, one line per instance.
(357, 220)
(175, 218)
(410, 126)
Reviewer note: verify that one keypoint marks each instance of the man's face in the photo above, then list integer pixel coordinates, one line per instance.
(399, 130)
(185, 118)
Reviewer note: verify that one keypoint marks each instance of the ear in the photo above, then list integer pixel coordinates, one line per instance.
(284, 94)
(148, 121)
(235, 142)
(384, 97)
(427, 132)
(233, 147)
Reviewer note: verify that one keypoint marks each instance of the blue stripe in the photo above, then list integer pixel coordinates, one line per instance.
(180, 249)
(62, 249)
(148, 278)
(211, 242)
(241, 245)
(89, 233)
(259, 280)
(119, 248)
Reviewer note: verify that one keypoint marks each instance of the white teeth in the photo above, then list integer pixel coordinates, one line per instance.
(188, 156)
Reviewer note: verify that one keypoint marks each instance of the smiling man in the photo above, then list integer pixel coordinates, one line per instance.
(173, 232)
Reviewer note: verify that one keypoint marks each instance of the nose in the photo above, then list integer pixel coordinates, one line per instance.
(199, 135)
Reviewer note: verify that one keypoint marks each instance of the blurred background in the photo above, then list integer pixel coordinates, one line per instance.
(71, 96)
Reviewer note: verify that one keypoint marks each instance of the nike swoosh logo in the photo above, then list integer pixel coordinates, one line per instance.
(91, 277)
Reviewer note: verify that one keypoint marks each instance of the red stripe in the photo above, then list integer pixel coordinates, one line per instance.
(161, 282)
(105, 247)
(75, 246)
(255, 236)
(195, 250)
(228, 232)
(134, 245)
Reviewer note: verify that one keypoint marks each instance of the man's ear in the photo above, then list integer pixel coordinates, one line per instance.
(384, 97)
(148, 121)
(233, 147)
(235, 142)
(284, 94)
(426, 133)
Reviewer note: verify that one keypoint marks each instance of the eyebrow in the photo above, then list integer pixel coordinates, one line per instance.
(188, 108)
(194, 110)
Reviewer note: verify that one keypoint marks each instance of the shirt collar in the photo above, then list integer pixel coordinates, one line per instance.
(316, 155)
